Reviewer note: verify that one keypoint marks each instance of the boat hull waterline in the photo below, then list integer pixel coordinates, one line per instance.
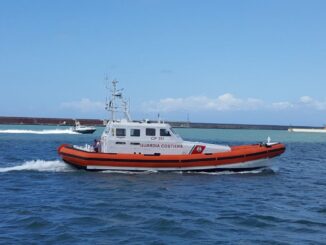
(240, 158)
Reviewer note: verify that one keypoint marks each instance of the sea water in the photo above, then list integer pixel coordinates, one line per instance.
(45, 201)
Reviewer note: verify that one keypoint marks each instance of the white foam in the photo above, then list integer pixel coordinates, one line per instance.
(256, 171)
(40, 165)
(47, 131)
(128, 172)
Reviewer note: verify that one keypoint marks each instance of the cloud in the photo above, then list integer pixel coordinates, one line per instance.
(229, 102)
(84, 105)
(307, 101)
(225, 102)
(283, 105)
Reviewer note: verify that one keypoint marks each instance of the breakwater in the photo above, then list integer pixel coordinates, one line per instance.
(99, 122)
(49, 121)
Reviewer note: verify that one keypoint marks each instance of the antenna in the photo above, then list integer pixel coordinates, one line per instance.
(106, 80)
(158, 118)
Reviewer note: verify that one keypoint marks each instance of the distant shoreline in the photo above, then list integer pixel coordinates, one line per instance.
(98, 122)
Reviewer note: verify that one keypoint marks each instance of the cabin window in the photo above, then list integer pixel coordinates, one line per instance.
(150, 131)
(135, 132)
(120, 132)
(120, 143)
(164, 132)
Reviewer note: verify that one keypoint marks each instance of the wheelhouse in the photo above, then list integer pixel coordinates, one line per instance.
(138, 137)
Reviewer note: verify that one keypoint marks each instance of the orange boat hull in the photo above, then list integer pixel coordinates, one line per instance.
(240, 158)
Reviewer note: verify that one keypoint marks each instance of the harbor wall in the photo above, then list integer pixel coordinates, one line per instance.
(48, 121)
(99, 122)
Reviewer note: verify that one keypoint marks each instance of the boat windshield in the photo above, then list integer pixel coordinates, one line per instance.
(177, 135)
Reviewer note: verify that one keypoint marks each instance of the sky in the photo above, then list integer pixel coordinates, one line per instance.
(232, 61)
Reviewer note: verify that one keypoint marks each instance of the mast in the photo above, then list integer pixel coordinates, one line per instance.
(112, 102)
(114, 105)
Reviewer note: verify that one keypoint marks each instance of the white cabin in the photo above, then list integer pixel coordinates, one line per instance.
(150, 138)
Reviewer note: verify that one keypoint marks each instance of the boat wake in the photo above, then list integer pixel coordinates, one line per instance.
(47, 131)
(39, 165)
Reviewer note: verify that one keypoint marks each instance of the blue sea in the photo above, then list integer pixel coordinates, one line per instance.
(45, 201)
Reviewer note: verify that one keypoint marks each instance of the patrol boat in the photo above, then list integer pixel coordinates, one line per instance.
(83, 129)
(127, 145)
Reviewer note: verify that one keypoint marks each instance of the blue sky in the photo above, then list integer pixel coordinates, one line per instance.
(258, 62)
